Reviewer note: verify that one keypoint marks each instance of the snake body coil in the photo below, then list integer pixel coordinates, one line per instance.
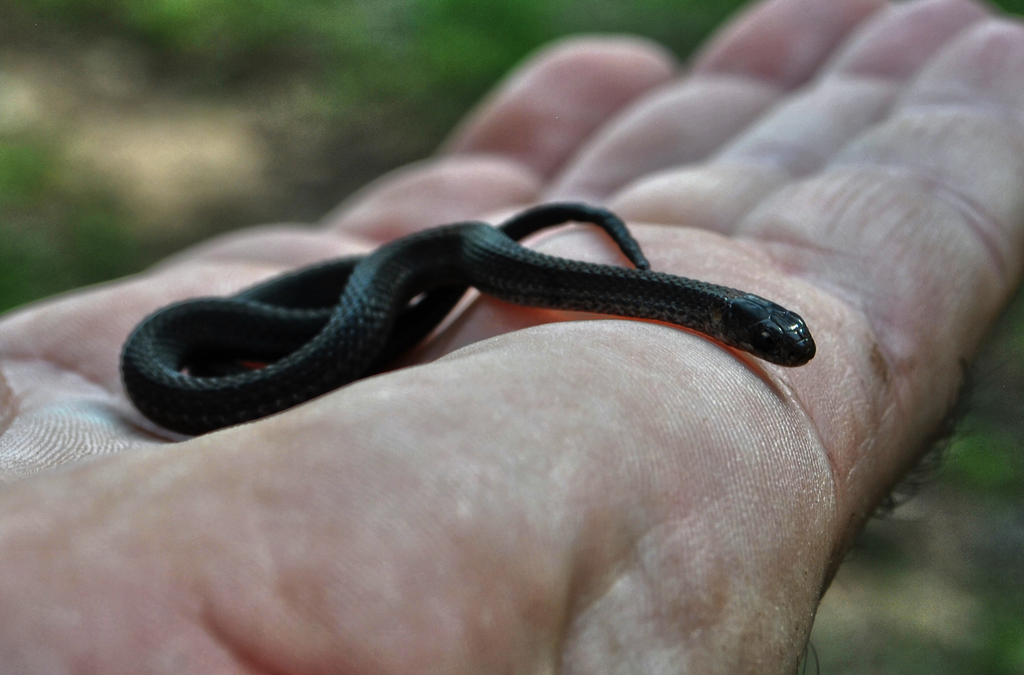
(189, 366)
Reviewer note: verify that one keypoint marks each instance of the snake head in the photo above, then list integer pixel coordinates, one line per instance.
(768, 331)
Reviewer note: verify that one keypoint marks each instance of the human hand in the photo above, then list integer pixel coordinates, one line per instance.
(580, 497)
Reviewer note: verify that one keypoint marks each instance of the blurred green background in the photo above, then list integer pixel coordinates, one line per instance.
(132, 128)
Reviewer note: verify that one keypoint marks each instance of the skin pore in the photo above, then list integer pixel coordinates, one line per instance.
(540, 494)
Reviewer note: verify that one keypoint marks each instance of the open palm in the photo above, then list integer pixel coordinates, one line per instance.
(600, 496)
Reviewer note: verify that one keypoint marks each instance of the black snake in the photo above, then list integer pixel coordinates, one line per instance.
(208, 363)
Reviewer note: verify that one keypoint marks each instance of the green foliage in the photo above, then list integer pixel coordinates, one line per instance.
(987, 463)
(25, 172)
(222, 30)
(459, 47)
(1004, 651)
(680, 25)
(1013, 6)
(89, 242)
(52, 240)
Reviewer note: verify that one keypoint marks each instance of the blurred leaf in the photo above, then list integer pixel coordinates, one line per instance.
(1005, 650)
(987, 463)
(1015, 6)
(100, 244)
(25, 172)
(222, 33)
(680, 25)
(466, 46)
(50, 240)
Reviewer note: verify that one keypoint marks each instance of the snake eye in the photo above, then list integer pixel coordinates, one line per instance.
(752, 325)
(765, 338)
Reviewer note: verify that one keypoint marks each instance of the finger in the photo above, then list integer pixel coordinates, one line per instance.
(503, 152)
(784, 41)
(808, 130)
(895, 44)
(82, 331)
(434, 192)
(916, 228)
(794, 140)
(60, 393)
(799, 137)
(59, 360)
(51, 416)
(766, 52)
(267, 248)
(681, 124)
(542, 113)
